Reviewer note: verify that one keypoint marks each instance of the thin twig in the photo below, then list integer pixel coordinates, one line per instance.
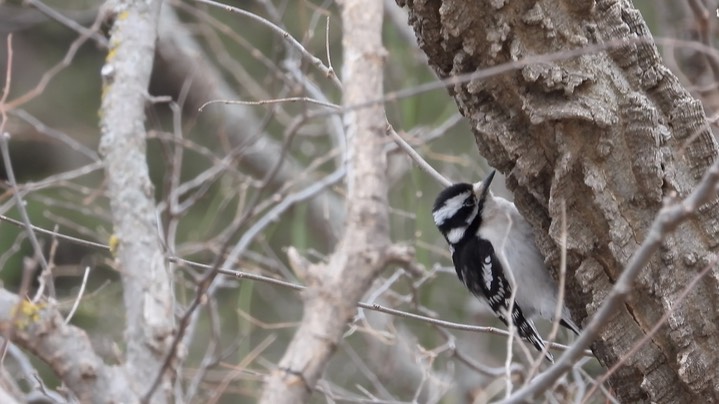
(278, 282)
(314, 60)
(68, 22)
(607, 394)
(519, 64)
(426, 167)
(56, 135)
(79, 296)
(5, 150)
(45, 279)
(6, 89)
(207, 283)
(71, 239)
(61, 65)
(704, 29)
(274, 213)
(327, 45)
(479, 367)
(273, 101)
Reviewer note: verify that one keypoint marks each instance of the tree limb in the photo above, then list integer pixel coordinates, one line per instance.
(147, 285)
(363, 251)
(66, 349)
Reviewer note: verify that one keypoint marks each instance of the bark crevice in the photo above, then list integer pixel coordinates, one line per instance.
(612, 134)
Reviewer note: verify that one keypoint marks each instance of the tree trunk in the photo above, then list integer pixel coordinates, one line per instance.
(612, 133)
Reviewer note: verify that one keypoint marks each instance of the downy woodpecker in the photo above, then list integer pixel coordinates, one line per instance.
(487, 236)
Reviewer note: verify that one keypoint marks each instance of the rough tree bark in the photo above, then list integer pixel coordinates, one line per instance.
(612, 133)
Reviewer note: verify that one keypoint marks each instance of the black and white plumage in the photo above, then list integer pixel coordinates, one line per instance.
(486, 236)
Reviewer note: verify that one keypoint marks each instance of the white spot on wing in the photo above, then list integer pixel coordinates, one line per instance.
(487, 272)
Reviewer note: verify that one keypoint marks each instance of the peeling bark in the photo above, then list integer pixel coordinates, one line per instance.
(612, 133)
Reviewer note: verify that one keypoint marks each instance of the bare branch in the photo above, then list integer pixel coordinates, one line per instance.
(335, 287)
(79, 296)
(147, 286)
(267, 102)
(56, 234)
(68, 22)
(66, 349)
(60, 66)
(298, 261)
(314, 60)
(426, 167)
(20, 203)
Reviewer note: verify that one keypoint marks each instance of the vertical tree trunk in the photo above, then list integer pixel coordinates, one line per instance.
(612, 133)
(146, 281)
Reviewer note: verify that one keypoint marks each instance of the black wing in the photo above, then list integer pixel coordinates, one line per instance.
(481, 271)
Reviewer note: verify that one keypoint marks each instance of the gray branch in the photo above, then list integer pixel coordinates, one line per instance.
(335, 287)
(66, 349)
(147, 285)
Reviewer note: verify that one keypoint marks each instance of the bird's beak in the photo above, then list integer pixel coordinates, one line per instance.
(481, 188)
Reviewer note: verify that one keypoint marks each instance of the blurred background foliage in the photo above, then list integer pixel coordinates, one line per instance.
(57, 132)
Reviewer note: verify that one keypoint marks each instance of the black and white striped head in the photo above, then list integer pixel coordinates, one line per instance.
(457, 210)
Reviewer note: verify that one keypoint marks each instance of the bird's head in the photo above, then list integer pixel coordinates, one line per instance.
(458, 208)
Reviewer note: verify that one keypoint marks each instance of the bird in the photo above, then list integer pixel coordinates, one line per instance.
(487, 237)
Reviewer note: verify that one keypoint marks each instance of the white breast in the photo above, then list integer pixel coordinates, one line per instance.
(514, 245)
